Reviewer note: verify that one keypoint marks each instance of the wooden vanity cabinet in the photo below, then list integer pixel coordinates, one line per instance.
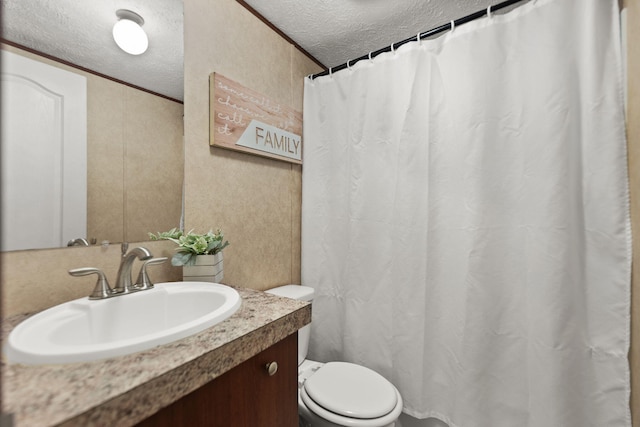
(246, 396)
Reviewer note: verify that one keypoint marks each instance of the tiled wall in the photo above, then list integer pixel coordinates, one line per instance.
(134, 168)
(255, 200)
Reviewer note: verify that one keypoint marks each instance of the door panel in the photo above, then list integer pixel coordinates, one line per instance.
(43, 157)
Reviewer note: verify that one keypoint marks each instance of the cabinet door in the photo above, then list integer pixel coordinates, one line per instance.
(246, 396)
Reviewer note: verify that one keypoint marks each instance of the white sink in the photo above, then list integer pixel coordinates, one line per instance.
(84, 330)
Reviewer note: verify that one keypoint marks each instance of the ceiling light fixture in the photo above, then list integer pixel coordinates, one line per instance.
(128, 32)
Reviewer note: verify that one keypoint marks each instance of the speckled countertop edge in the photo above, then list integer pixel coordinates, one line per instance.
(125, 390)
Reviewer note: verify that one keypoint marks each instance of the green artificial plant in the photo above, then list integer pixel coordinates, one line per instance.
(191, 244)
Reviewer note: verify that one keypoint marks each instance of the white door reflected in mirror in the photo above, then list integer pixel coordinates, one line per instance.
(43, 155)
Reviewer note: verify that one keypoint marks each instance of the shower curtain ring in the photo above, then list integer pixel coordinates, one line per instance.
(392, 49)
(348, 65)
(419, 40)
(453, 25)
(489, 12)
(330, 71)
(370, 59)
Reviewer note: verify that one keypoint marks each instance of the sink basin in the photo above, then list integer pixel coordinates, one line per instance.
(84, 330)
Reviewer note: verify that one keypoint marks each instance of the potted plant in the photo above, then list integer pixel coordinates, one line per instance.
(200, 255)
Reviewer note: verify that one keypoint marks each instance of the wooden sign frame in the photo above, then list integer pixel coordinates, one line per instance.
(244, 120)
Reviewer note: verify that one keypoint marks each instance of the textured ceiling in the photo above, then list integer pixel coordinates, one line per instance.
(332, 31)
(79, 31)
(335, 31)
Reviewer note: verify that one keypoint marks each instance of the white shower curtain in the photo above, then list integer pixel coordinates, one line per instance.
(465, 220)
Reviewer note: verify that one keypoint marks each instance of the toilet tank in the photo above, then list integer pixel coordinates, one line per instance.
(302, 293)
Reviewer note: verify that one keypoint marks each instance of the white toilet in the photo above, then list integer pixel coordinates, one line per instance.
(339, 394)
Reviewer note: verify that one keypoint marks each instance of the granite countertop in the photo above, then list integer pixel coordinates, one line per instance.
(125, 390)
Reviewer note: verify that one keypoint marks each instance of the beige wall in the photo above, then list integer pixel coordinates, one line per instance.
(633, 136)
(135, 162)
(35, 280)
(255, 200)
(130, 136)
(134, 170)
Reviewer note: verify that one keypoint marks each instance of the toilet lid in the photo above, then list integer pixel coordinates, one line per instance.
(351, 391)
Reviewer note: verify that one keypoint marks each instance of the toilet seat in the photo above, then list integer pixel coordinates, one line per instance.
(351, 395)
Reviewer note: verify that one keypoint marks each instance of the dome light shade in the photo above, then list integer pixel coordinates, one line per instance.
(128, 32)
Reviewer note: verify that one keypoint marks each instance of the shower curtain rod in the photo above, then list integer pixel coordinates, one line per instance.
(431, 32)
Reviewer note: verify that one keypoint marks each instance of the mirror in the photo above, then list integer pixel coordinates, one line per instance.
(134, 124)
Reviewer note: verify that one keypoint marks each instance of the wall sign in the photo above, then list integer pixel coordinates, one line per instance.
(242, 119)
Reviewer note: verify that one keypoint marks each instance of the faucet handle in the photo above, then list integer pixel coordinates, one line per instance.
(102, 289)
(80, 241)
(143, 281)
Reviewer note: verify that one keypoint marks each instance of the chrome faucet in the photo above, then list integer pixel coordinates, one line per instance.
(123, 283)
(78, 242)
